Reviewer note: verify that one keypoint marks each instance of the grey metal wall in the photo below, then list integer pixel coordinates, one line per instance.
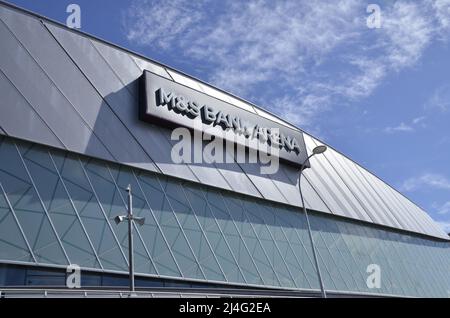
(65, 89)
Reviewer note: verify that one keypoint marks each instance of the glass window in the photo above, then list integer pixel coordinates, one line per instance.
(53, 194)
(233, 237)
(28, 207)
(170, 227)
(90, 211)
(220, 246)
(196, 237)
(12, 243)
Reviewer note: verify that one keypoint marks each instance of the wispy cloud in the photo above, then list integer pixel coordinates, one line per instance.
(440, 99)
(429, 180)
(418, 120)
(445, 226)
(298, 58)
(160, 23)
(442, 13)
(442, 208)
(403, 127)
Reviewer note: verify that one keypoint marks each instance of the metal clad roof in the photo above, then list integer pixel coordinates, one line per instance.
(65, 89)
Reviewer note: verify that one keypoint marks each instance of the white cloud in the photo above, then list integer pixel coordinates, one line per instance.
(298, 58)
(430, 180)
(418, 120)
(160, 23)
(402, 127)
(440, 99)
(445, 226)
(442, 209)
(442, 10)
(408, 30)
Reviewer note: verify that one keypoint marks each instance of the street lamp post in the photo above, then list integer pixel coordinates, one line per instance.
(130, 218)
(317, 150)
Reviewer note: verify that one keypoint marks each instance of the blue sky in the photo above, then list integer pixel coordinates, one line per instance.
(380, 96)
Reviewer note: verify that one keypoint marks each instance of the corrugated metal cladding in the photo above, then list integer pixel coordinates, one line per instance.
(71, 91)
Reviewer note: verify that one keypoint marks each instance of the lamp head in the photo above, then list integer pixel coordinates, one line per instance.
(120, 218)
(319, 149)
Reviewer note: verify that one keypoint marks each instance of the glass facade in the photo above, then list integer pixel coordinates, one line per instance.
(57, 208)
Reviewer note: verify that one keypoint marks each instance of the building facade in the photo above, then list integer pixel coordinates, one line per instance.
(72, 140)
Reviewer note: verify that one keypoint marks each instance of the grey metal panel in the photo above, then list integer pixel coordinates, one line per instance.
(343, 168)
(387, 197)
(319, 185)
(43, 96)
(377, 195)
(428, 226)
(377, 207)
(287, 187)
(262, 181)
(114, 92)
(418, 218)
(19, 119)
(63, 73)
(434, 228)
(160, 152)
(206, 173)
(151, 67)
(236, 177)
(331, 188)
(128, 71)
(46, 99)
(311, 197)
(415, 225)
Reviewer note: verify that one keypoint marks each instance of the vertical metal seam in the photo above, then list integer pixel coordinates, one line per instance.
(348, 188)
(340, 196)
(380, 198)
(386, 217)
